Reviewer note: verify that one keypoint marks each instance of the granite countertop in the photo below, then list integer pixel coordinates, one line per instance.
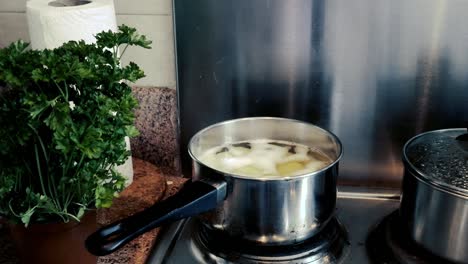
(149, 186)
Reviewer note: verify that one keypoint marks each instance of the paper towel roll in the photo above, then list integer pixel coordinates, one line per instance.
(53, 22)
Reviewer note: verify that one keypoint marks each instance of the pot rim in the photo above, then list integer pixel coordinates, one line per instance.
(438, 184)
(268, 179)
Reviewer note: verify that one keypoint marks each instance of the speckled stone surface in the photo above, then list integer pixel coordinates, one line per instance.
(156, 119)
(149, 186)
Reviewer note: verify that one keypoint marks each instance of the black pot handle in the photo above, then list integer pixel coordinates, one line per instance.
(194, 198)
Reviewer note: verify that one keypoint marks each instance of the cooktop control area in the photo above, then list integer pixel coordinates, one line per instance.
(344, 241)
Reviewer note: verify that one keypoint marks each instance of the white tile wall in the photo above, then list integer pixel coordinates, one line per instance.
(152, 18)
(13, 26)
(159, 60)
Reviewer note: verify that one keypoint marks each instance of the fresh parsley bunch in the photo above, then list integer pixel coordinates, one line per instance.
(64, 116)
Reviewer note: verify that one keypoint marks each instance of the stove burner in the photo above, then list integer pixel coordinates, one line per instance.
(388, 243)
(329, 246)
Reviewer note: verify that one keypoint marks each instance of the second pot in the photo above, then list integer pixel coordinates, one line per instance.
(269, 211)
(434, 203)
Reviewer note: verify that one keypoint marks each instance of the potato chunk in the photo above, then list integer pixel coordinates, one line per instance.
(289, 168)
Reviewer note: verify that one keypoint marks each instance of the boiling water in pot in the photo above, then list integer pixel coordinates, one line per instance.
(265, 158)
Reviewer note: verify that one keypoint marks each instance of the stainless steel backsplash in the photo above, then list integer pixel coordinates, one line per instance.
(375, 73)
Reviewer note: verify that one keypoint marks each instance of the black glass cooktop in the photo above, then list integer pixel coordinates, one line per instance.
(389, 243)
(358, 212)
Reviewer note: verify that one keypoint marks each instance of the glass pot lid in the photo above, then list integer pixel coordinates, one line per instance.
(440, 157)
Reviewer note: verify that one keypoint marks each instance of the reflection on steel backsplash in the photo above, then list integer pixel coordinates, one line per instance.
(375, 73)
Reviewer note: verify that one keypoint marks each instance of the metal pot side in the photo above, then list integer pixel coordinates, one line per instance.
(275, 210)
(436, 219)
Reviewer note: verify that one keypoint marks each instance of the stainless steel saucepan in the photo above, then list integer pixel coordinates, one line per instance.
(434, 203)
(269, 211)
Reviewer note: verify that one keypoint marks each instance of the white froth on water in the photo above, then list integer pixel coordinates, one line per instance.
(265, 158)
